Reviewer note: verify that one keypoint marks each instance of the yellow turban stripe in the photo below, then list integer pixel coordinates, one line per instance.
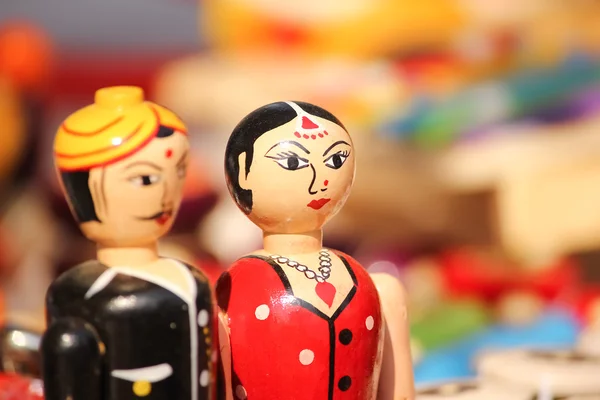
(117, 125)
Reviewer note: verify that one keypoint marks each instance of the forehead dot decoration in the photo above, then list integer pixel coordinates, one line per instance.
(307, 126)
(168, 153)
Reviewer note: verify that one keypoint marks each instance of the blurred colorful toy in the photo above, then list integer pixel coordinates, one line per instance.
(448, 323)
(440, 122)
(554, 328)
(26, 60)
(518, 294)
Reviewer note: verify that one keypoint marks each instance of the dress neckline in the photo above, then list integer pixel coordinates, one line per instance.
(305, 304)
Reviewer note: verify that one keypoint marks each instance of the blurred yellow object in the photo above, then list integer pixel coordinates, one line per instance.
(117, 124)
(353, 28)
(14, 128)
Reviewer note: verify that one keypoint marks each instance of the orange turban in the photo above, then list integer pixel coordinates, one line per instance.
(118, 124)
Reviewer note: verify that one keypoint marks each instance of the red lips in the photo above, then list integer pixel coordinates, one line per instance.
(317, 204)
(164, 218)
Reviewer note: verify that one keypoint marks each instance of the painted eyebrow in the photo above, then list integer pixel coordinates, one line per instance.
(333, 145)
(290, 142)
(147, 163)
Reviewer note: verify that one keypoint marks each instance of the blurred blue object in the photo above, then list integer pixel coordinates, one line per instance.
(526, 93)
(556, 328)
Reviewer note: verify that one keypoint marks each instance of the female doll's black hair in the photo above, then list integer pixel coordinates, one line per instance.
(254, 125)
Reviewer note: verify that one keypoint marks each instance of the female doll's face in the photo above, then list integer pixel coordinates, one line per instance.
(137, 198)
(299, 180)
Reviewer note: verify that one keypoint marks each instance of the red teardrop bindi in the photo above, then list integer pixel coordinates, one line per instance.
(168, 153)
(326, 182)
(308, 124)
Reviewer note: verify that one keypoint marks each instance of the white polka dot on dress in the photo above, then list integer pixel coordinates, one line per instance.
(262, 312)
(204, 378)
(203, 318)
(240, 392)
(370, 322)
(306, 357)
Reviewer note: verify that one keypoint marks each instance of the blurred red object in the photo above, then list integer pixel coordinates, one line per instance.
(489, 277)
(211, 268)
(587, 305)
(16, 387)
(26, 56)
(79, 74)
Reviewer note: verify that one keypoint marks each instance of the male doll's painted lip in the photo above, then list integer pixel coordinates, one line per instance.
(164, 217)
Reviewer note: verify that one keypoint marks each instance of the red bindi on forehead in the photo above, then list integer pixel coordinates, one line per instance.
(168, 153)
(311, 136)
(307, 128)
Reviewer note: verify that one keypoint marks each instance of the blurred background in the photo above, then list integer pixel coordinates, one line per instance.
(476, 126)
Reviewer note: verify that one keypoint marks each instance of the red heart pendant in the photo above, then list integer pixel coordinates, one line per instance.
(326, 291)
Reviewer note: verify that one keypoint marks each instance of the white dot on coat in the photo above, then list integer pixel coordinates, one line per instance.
(240, 392)
(204, 378)
(262, 312)
(370, 322)
(306, 357)
(203, 318)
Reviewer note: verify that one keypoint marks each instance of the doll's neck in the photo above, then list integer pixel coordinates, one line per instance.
(293, 243)
(127, 256)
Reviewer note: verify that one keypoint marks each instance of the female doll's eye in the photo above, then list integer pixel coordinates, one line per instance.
(335, 161)
(145, 180)
(289, 160)
(292, 163)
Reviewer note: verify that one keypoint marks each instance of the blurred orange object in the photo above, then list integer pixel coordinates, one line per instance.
(26, 56)
(13, 136)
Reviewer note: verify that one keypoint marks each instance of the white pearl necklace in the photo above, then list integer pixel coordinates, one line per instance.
(324, 268)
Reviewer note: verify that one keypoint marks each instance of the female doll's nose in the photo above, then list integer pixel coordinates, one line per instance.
(311, 188)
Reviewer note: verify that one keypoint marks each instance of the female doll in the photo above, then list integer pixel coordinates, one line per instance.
(298, 321)
(130, 324)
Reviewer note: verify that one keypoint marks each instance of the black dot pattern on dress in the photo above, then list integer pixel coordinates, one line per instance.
(344, 383)
(345, 336)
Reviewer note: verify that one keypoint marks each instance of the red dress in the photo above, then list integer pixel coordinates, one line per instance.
(284, 348)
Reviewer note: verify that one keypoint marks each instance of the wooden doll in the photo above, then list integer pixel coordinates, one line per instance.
(130, 324)
(299, 321)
